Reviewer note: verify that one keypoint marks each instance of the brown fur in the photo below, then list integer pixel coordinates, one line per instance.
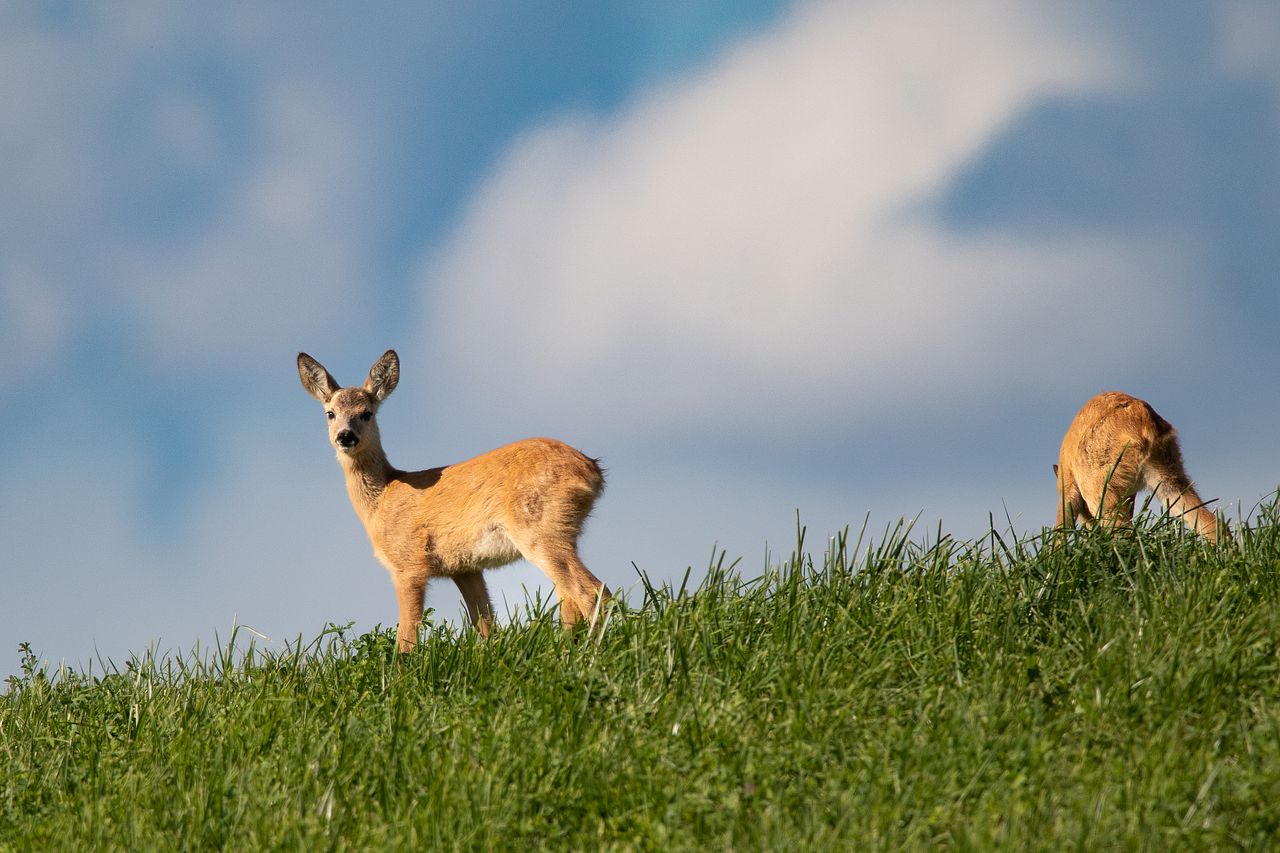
(1116, 447)
(528, 499)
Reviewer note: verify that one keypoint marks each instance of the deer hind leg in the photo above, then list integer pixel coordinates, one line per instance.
(476, 595)
(590, 595)
(582, 595)
(568, 610)
(1174, 489)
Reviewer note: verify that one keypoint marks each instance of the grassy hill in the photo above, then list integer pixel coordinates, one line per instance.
(906, 692)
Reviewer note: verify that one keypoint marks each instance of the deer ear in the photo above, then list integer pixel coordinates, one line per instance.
(316, 381)
(383, 376)
(1055, 470)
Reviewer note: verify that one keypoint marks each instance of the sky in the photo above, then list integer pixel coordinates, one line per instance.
(847, 262)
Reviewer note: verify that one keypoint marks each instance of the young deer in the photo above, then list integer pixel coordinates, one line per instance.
(1117, 446)
(528, 499)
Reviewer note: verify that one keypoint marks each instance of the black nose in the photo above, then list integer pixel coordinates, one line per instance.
(347, 438)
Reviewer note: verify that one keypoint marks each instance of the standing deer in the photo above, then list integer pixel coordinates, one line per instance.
(528, 499)
(1117, 446)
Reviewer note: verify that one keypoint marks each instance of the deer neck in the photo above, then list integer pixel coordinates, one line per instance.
(367, 476)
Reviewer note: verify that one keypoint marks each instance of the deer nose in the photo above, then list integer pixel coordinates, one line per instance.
(347, 438)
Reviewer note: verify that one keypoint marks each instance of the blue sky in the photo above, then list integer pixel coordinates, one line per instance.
(840, 258)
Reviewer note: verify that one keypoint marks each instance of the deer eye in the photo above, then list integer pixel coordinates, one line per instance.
(330, 414)
(364, 416)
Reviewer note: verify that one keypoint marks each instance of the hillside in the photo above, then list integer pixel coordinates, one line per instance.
(902, 692)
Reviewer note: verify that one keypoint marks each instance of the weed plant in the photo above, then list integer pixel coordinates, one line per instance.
(1099, 691)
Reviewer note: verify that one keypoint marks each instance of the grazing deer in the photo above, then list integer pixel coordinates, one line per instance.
(1117, 446)
(528, 499)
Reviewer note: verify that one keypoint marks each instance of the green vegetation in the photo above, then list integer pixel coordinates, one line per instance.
(1114, 691)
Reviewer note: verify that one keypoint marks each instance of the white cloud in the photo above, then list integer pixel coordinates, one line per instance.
(757, 236)
(34, 318)
(283, 260)
(188, 175)
(750, 240)
(271, 543)
(1247, 33)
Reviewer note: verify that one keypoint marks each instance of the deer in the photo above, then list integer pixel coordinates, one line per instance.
(527, 499)
(1117, 446)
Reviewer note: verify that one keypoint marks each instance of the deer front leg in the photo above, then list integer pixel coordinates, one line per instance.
(1071, 506)
(410, 592)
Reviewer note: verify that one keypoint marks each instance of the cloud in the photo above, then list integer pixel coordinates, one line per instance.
(1247, 33)
(740, 253)
(182, 199)
(271, 544)
(759, 236)
(188, 180)
(34, 317)
(282, 258)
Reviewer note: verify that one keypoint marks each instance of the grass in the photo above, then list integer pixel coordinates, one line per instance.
(1115, 691)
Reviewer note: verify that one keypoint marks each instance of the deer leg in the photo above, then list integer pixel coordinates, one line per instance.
(591, 595)
(1182, 502)
(1116, 509)
(582, 595)
(410, 592)
(476, 595)
(1071, 505)
(568, 610)
(1117, 489)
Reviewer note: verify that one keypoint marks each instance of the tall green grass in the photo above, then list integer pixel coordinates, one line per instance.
(892, 691)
